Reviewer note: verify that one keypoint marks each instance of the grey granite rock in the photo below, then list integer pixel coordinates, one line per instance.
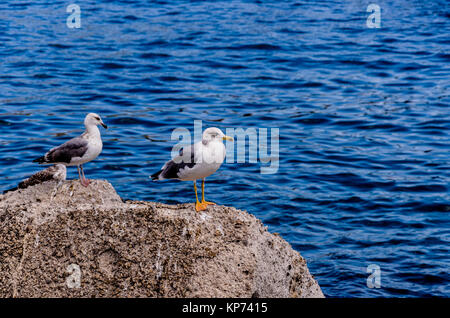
(73, 241)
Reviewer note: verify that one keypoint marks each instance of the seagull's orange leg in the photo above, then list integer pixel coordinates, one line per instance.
(203, 194)
(199, 206)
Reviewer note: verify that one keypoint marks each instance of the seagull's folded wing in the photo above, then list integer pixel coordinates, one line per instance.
(187, 155)
(73, 148)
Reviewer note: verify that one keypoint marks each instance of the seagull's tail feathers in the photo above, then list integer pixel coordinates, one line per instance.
(40, 160)
(156, 176)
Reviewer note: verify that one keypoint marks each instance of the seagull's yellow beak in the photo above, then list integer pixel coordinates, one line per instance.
(228, 138)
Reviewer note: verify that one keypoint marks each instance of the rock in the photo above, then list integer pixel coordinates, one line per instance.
(86, 242)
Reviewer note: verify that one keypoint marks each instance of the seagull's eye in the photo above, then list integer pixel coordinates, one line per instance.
(97, 118)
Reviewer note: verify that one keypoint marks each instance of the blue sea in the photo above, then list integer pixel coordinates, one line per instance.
(362, 112)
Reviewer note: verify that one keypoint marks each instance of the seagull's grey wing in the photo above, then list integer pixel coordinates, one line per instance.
(186, 154)
(171, 169)
(73, 148)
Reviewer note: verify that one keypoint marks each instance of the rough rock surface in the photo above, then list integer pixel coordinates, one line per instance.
(86, 242)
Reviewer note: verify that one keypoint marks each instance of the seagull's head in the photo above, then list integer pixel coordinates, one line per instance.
(215, 134)
(93, 119)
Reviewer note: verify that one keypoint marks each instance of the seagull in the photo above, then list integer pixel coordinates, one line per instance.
(57, 172)
(79, 150)
(197, 161)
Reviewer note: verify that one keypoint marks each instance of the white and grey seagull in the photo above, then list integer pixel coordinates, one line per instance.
(197, 161)
(79, 150)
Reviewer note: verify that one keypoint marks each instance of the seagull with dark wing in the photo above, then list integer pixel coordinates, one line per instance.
(79, 150)
(57, 172)
(197, 161)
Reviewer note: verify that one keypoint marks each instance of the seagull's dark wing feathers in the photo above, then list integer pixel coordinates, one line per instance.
(75, 147)
(172, 168)
(52, 173)
(40, 177)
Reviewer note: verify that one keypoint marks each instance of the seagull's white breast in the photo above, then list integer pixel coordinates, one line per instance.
(94, 148)
(208, 160)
